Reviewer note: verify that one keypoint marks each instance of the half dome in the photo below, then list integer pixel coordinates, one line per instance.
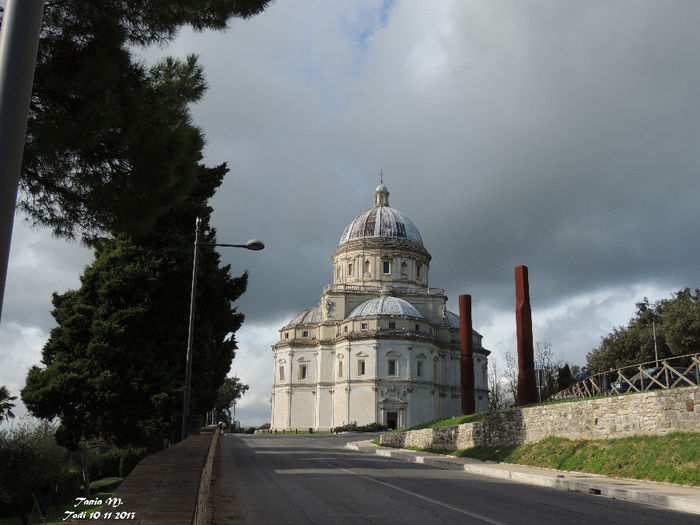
(453, 319)
(386, 305)
(308, 316)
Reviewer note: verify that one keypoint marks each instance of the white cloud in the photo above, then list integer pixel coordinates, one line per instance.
(254, 366)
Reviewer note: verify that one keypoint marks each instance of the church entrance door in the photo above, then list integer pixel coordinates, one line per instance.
(392, 420)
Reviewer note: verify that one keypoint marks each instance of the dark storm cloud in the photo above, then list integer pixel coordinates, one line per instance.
(558, 134)
(554, 134)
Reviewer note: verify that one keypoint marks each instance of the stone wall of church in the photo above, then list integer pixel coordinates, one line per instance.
(650, 413)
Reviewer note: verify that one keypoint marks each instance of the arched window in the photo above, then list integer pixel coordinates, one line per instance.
(404, 269)
(367, 267)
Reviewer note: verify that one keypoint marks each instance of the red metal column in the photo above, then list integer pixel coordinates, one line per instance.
(527, 387)
(466, 362)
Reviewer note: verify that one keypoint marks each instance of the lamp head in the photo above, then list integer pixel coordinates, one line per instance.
(254, 244)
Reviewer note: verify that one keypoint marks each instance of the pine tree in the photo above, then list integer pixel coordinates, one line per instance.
(109, 145)
(114, 366)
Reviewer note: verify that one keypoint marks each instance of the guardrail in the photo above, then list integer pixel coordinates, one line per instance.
(670, 372)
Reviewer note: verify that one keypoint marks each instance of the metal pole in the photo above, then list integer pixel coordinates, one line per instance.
(656, 351)
(466, 360)
(19, 41)
(527, 388)
(188, 364)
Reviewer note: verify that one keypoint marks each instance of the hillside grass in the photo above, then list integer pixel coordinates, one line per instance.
(469, 418)
(673, 458)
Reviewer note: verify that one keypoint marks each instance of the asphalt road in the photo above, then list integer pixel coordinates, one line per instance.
(311, 479)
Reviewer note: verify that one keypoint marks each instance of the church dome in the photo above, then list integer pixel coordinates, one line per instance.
(381, 221)
(385, 305)
(308, 316)
(453, 319)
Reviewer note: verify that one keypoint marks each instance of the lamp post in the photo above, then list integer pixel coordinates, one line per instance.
(252, 244)
(19, 41)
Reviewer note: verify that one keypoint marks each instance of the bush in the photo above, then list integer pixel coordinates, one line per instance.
(32, 461)
(105, 484)
(69, 488)
(129, 458)
(106, 464)
(353, 427)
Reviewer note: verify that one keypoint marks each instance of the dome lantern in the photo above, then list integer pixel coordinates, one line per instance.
(381, 195)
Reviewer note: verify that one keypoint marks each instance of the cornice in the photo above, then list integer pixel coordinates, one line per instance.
(381, 243)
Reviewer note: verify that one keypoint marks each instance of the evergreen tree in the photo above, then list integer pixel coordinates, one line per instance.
(6, 404)
(109, 148)
(114, 365)
(677, 322)
(565, 378)
(31, 462)
(680, 323)
(230, 392)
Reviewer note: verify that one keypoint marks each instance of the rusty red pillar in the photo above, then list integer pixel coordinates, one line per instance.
(466, 362)
(527, 387)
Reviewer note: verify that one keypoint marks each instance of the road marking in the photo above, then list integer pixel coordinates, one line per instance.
(416, 495)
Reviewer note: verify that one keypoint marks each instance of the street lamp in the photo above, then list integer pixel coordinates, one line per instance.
(252, 244)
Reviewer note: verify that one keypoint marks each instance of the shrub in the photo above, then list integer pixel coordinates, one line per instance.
(353, 427)
(32, 462)
(130, 457)
(106, 464)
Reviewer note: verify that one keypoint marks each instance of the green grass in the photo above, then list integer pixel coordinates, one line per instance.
(470, 418)
(105, 484)
(292, 433)
(674, 458)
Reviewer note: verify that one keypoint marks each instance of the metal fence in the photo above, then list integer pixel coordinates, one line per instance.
(665, 373)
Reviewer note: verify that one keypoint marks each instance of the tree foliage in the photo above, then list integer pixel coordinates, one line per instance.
(6, 404)
(553, 374)
(112, 157)
(114, 365)
(30, 462)
(547, 381)
(230, 392)
(565, 378)
(109, 145)
(677, 322)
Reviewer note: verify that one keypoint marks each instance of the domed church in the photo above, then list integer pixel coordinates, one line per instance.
(381, 345)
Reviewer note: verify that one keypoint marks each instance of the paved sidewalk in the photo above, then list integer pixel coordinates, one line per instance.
(676, 497)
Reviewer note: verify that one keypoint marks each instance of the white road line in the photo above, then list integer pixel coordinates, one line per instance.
(416, 495)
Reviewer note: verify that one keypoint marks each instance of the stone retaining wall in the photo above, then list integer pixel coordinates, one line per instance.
(656, 412)
(170, 486)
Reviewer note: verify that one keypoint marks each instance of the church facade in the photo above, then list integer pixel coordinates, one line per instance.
(381, 345)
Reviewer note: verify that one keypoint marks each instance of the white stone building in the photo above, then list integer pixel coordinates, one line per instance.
(380, 346)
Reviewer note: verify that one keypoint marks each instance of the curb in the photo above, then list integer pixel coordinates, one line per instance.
(676, 497)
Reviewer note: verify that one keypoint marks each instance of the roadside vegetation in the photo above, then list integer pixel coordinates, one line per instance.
(33, 463)
(469, 418)
(673, 458)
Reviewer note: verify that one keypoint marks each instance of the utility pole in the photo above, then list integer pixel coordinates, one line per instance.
(19, 41)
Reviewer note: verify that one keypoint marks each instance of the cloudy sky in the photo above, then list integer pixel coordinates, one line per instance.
(562, 135)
